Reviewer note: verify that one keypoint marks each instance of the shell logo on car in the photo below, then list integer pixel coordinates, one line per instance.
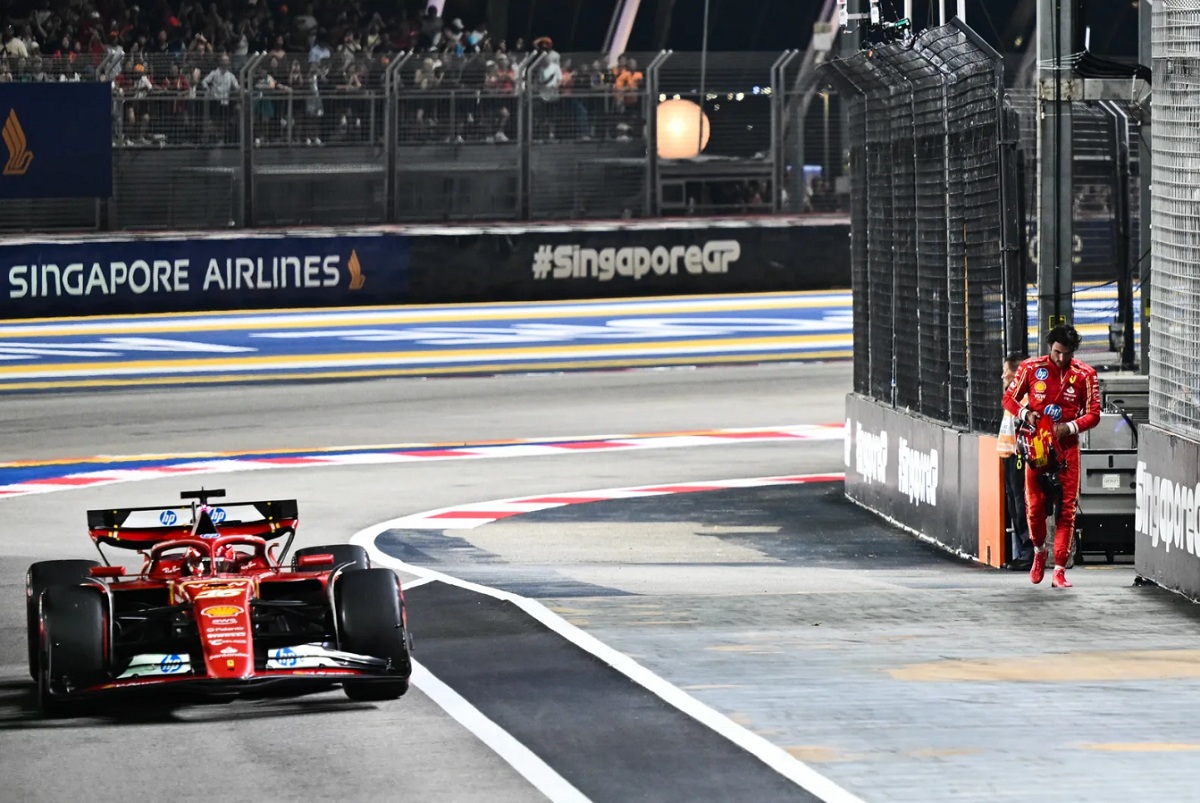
(222, 610)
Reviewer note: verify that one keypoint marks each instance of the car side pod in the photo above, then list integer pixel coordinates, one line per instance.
(309, 561)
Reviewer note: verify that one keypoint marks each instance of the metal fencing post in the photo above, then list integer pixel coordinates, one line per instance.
(652, 188)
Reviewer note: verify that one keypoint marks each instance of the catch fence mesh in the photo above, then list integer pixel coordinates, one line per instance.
(927, 217)
(1175, 197)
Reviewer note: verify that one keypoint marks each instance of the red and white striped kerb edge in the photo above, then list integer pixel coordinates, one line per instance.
(467, 517)
(522, 448)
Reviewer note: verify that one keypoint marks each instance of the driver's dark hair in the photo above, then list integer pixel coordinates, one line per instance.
(1066, 335)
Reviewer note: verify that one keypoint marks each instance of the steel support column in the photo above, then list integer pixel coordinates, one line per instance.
(1145, 201)
(1055, 218)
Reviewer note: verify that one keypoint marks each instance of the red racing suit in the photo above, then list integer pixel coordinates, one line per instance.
(1070, 397)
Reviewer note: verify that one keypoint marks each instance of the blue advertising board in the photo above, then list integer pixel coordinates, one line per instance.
(205, 273)
(57, 140)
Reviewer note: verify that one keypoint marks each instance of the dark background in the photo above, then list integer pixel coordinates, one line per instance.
(769, 25)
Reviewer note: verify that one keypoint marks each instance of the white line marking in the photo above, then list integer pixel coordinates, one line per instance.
(770, 754)
(518, 756)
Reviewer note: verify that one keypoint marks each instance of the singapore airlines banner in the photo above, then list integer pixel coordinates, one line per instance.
(107, 277)
(55, 140)
(43, 276)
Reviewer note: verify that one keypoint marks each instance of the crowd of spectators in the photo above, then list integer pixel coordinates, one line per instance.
(177, 71)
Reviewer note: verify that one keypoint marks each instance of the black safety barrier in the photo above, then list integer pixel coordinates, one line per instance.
(416, 265)
(919, 473)
(1167, 518)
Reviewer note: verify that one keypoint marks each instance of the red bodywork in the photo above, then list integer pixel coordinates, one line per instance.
(212, 606)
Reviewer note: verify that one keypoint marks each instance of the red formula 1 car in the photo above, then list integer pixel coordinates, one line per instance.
(214, 610)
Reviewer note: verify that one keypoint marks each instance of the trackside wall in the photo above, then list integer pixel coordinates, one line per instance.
(935, 481)
(156, 273)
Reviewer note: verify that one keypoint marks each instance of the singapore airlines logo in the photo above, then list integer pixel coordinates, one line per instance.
(357, 280)
(19, 155)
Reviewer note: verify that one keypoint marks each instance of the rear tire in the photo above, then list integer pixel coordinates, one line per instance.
(38, 578)
(370, 618)
(342, 553)
(72, 641)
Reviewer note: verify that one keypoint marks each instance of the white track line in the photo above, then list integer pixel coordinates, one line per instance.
(770, 754)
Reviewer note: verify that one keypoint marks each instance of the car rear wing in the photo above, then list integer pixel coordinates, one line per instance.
(142, 527)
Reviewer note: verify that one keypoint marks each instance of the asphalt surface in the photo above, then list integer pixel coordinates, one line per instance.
(894, 670)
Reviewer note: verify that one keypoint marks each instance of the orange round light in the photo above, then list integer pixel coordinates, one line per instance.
(682, 129)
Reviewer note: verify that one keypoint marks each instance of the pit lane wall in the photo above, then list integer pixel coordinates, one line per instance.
(1167, 517)
(191, 272)
(937, 482)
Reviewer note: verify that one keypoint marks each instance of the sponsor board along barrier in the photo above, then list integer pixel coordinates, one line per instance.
(69, 276)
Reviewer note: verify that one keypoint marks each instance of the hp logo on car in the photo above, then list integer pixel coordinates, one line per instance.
(286, 656)
(217, 514)
(168, 517)
(170, 664)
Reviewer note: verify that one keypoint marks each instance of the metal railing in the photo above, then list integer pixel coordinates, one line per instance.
(201, 141)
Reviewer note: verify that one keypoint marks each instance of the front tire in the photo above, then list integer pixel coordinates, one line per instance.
(38, 578)
(370, 618)
(73, 637)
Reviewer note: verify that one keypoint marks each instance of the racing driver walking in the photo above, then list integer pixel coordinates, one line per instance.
(1066, 392)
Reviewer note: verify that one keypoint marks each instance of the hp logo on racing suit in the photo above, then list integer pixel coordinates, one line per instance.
(168, 517)
(1054, 411)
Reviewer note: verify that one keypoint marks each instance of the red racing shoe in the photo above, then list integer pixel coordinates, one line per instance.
(1059, 579)
(1039, 566)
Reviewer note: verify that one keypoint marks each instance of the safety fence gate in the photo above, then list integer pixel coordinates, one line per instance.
(938, 293)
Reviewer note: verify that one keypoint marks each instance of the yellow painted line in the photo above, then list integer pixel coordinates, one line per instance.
(711, 686)
(455, 370)
(325, 318)
(749, 649)
(1144, 747)
(816, 754)
(460, 357)
(1060, 668)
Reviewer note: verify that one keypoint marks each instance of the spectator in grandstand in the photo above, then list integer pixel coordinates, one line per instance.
(477, 39)
(314, 106)
(627, 80)
(1020, 547)
(267, 108)
(432, 28)
(220, 85)
(546, 80)
(13, 46)
(452, 37)
(5, 72)
(318, 51)
(1063, 401)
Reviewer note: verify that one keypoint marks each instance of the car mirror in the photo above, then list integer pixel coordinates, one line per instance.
(323, 559)
(107, 571)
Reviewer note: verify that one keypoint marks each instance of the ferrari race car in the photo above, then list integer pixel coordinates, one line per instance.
(213, 610)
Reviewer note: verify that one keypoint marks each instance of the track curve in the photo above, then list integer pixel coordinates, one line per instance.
(321, 746)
